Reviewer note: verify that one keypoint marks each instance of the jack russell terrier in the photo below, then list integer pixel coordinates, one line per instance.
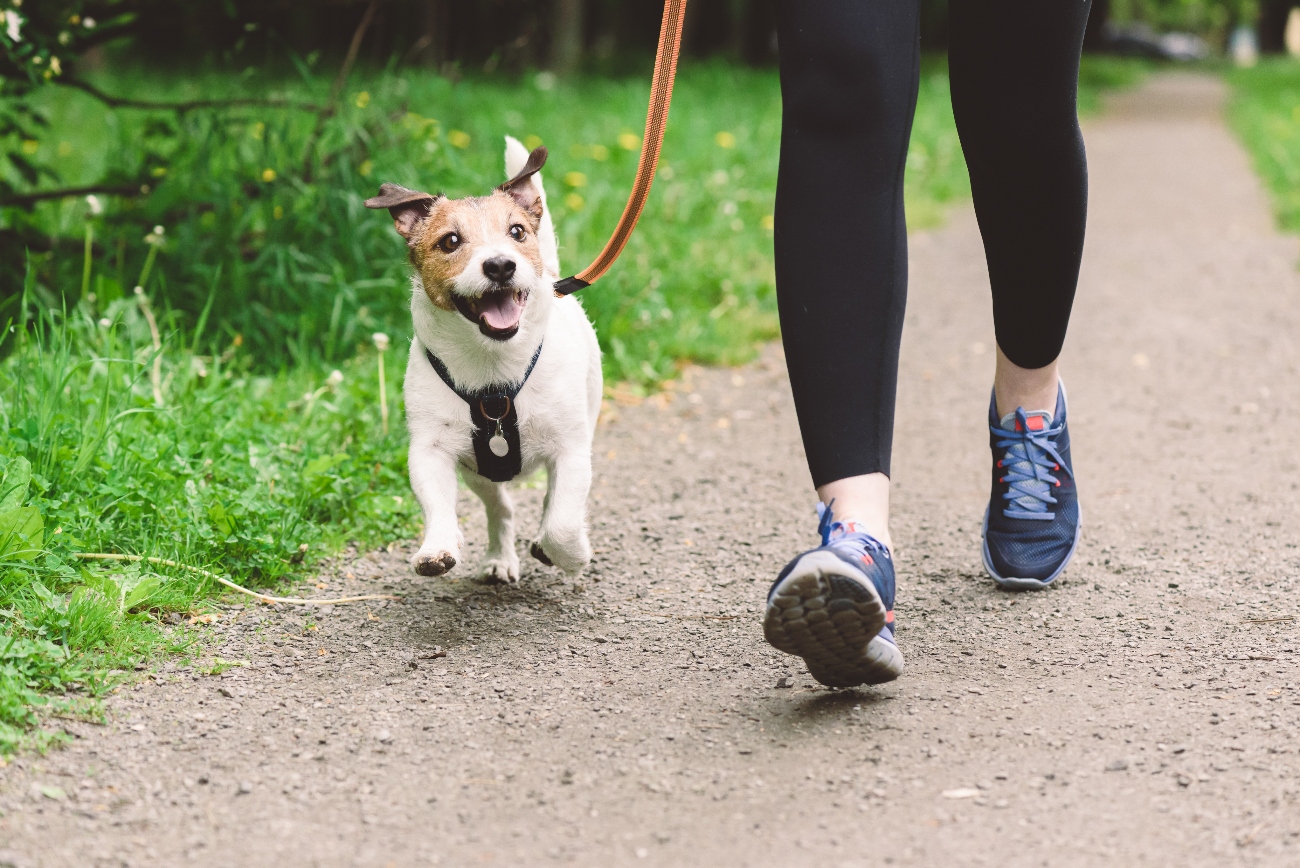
(504, 377)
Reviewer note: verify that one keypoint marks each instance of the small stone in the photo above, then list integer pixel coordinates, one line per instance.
(1118, 765)
(961, 793)
(784, 683)
(245, 787)
(384, 737)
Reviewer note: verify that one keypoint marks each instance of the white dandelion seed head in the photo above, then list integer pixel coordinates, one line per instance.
(381, 341)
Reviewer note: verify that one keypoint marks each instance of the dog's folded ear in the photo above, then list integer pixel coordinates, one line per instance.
(408, 207)
(521, 187)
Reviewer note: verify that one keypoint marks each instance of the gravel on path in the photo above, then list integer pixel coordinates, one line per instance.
(1143, 711)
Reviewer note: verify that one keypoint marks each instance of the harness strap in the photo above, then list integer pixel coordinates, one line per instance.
(507, 391)
(661, 94)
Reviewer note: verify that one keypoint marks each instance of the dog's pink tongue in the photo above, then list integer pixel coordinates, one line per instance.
(499, 311)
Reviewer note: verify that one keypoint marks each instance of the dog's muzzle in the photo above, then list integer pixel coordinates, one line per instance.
(496, 312)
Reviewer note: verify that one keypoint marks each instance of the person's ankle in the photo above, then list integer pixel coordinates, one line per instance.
(1033, 389)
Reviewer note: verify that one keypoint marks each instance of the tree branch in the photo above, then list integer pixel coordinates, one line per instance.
(121, 102)
(323, 116)
(26, 199)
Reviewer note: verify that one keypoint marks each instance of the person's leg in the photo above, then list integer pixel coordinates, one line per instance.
(1014, 67)
(849, 74)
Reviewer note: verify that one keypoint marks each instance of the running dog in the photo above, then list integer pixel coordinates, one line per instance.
(504, 377)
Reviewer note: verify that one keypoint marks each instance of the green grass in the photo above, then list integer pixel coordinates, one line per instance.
(1265, 113)
(264, 281)
(248, 475)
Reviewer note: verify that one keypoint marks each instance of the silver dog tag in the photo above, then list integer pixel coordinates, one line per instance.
(498, 443)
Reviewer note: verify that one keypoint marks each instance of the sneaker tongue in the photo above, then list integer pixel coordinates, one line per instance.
(1039, 420)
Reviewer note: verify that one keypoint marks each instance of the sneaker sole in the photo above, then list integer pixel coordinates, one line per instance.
(1011, 583)
(832, 619)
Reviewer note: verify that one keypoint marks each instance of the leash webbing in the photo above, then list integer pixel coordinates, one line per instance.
(661, 94)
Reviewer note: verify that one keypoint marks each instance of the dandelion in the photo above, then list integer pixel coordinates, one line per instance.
(366, 167)
(629, 141)
(268, 175)
(458, 138)
(532, 143)
(105, 322)
(725, 139)
(31, 146)
(575, 179)
(88, 23)
(381, 344)
(55, 66)
(278, 212)
(96, 207)
(335, 378)
(767, 221)
(257, 130)
(574, 202)
(599, 153)
(64, 37)
(363, 99)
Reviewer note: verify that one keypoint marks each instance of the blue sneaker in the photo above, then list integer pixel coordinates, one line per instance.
(1031, 526)
(834, 607)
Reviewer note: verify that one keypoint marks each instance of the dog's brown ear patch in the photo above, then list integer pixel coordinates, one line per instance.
(522, 190)
(408, 207)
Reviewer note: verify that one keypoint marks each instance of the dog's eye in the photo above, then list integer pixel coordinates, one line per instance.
(449, 242)
(517, 232)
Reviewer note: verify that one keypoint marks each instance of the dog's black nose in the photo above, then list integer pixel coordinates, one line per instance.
(499, 269)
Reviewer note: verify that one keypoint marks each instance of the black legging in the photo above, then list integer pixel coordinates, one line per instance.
(849, 73)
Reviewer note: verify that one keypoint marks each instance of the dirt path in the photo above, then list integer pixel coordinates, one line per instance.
(1133, 715)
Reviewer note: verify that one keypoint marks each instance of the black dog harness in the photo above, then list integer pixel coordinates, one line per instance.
(496, 424)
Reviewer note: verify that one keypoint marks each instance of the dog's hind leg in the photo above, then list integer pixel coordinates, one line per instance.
(502, 562)
(563, 538)
(433, 479)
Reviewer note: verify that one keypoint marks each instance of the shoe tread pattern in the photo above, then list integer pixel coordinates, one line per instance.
(832, 621)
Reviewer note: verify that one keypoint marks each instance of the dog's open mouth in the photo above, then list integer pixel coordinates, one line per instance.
(497, 311)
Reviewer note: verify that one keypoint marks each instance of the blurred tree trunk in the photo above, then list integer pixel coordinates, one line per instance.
(566, 35)
(432, 45)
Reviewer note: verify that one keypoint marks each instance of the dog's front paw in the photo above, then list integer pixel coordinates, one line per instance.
(571, 552)
(499, 571)
(434, 564)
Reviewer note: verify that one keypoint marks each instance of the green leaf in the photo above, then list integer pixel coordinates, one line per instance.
(129, 588)
(21, 533)
(13, 491)
(220, 518)
(145, 588)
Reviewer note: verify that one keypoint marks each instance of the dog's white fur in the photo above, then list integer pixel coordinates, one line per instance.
(557, 408)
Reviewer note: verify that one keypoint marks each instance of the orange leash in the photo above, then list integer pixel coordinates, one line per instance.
(661, 94)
